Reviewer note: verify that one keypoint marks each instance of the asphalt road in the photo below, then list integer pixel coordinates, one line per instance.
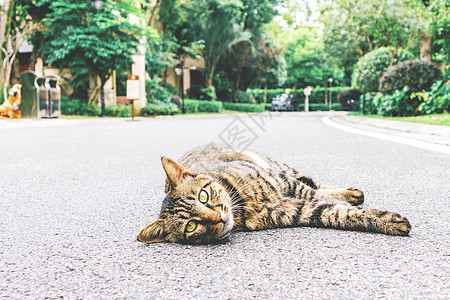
(73, 198)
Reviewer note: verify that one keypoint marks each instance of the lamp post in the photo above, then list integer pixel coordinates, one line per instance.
(179, 70)
(97, 5)
(330, 80)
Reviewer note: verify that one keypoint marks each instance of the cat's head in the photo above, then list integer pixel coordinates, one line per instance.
(197, 209)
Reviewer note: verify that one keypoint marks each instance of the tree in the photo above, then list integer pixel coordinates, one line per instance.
(216, 23)
(354, 28)
(17, 27)
(87, 41)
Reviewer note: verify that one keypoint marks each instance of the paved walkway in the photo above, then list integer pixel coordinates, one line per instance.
(423, 132)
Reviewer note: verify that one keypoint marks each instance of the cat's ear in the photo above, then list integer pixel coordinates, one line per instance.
(153, 233)
(174, 171)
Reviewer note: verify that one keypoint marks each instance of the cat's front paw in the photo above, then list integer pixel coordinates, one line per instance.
(354, 196)
(397, 225)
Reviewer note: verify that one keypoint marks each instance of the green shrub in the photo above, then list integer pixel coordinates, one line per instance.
(415, 74)
(159, 108)
(156, 93)
(191, 106)
(437, 100)
(367, 100)
(398, 104)
(213, 106)
(268, 106)
(170, 88)
(72, 106)
(122, 111)
(244, 97)
(93, 110)
(369, 68)
(244, 107)
(208, 93)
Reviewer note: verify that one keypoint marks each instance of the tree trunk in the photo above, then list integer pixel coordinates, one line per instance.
(394, 54)
(425, 47)
(102, 95)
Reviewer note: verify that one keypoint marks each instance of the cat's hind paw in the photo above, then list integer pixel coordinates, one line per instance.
(397, 225)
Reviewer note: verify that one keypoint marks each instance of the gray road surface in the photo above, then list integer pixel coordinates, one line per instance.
(73, 198)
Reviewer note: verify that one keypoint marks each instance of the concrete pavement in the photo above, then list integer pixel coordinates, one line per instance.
(74, 195)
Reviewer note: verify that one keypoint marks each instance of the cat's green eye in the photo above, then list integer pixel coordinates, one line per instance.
(203, 196)
(190, 226)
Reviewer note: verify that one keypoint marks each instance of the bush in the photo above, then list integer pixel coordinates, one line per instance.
(72, 106)
(207, 106)
(156, 93)
(170, 88)
(122, 111)
(320, 107)
(437, 100)
(349, 98)
(415, 74)
(208, 93)
(244, 107)
(367, 100)
(244, 97)
(93, 110)
(203, 106)
(160, 108)
(398, 104)
(191, 106)
(369, 68)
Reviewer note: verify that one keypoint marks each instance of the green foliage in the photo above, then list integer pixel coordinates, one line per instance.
(217, 23)
(159, 52)
(191, 106)
(208, 93)
(367, 100)
(207, 106)
(244, 107)
(354, 27)
(87, 41)
(122, 111)
(321, 107)
(243, 97)
(305, 60)
(414, 74)
(437, 100)
(439, 11)
(369, 69)
(397, 104)
(317, 95)
(155, 92)
(170, 88)
(159, 108)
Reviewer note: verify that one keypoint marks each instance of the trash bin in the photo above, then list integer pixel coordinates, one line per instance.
(48, 96)
(41, 96)
(54, 96)
(28, 106)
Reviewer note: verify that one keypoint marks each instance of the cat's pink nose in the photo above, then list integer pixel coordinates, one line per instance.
(213, 217)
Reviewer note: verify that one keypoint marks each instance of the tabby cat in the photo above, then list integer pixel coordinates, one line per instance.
(216, 189)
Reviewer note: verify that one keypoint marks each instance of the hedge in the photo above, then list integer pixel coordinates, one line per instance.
(244, 107)
(193, 106)
(122, 111)
(159, 108)
(320, 107)
(317, 95)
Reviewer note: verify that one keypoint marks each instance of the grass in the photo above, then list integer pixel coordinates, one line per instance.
(437, 119)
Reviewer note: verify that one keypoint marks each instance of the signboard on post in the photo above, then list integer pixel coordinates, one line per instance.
(307, 91)
(132, 91)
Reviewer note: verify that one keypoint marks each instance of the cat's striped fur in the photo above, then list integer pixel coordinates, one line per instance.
(215, 189)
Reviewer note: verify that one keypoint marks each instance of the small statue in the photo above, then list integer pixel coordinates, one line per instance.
(10, 108)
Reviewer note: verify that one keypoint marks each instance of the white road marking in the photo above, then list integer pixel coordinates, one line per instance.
(387, 137)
